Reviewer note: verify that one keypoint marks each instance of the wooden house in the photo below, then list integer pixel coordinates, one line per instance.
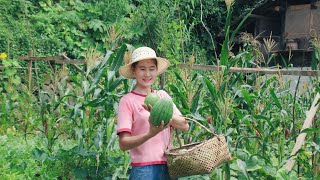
(291, 24)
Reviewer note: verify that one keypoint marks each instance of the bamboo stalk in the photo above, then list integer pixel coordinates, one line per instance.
(300, 140)
(254, 70)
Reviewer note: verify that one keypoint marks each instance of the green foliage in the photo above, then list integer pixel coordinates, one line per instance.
(10, 79)
(22, 160)
(50, 27)
(65, 125)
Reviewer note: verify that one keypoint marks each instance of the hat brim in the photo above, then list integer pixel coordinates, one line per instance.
(126, 70)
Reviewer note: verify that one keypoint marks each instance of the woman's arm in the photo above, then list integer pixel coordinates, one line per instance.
(127, 141)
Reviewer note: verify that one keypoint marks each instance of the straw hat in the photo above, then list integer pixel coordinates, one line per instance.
(143, 53)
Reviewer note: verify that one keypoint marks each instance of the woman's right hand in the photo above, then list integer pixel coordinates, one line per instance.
(154, 130)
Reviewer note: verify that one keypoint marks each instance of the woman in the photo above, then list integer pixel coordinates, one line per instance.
(145, 142)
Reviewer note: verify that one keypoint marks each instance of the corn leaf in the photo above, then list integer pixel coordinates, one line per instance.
(195, 100)
(116, 60)
(275, 98)
(180, 79)
(310, 130)
(239, 26)
(181, 97)
(243, 167)
(211, 88)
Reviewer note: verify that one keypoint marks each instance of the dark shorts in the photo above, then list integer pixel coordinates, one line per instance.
(151, 172)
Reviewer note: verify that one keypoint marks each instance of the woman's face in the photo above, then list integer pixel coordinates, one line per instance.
(145, 72)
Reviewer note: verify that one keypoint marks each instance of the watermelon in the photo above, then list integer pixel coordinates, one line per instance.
(151, 99)
(161, 111)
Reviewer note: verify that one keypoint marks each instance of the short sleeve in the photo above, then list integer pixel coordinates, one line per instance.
(163, 94)
(125, 116)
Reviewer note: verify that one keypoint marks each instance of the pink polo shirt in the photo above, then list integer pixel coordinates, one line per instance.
(133, 118)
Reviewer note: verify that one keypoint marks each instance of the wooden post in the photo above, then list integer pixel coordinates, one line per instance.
(30, 53)
(307, 123)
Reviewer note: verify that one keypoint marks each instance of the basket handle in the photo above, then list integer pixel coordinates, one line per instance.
(195, 121)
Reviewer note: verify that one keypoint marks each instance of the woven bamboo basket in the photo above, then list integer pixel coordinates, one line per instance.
(198, 158)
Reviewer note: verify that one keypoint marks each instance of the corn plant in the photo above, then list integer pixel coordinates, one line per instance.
(93, 112)
(186, 91)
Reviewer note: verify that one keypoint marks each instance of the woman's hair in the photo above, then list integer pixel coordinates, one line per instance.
(133, 65)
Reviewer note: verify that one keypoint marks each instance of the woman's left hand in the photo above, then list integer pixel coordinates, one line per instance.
(147, 107)
(179, 122)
